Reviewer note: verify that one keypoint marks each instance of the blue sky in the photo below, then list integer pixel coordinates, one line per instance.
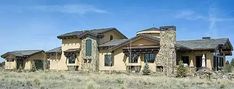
(34, 24)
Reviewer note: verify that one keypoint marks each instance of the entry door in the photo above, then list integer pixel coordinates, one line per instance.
(198, 61)
(20, 63)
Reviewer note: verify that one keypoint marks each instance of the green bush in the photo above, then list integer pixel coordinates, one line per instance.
(181, 70)
(146, 70)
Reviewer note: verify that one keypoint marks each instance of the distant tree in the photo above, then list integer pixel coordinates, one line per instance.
(227, 62)
(232, 62)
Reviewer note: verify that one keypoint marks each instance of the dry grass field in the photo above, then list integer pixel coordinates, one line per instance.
(81, 80)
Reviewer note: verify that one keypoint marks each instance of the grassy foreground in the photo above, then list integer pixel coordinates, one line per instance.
(78, 80)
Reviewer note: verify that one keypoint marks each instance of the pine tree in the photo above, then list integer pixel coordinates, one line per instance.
(146, 70)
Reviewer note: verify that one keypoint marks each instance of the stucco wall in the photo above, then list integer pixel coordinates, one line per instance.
(72, 43)
(107, 35)
(119, 60)
(10, 65)
(29, 61)
(54, 61)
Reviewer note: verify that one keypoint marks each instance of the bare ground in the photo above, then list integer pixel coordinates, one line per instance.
(81, 80)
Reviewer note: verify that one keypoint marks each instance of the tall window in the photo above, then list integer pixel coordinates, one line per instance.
(88, 47)
(71, 58)
(134, 58)
(111, 37)
(149, 57)
(108, 60)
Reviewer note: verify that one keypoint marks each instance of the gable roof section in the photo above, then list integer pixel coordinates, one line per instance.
(22, 53)
(93, 32)
(203, 44)
(153, 39)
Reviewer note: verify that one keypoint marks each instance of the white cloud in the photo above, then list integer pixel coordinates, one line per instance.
(68, 9)
(71, 9)
(189, 15)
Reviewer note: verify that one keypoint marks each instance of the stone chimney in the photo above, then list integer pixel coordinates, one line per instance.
(166, 57)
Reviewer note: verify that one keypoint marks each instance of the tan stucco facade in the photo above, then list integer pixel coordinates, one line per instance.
(27, 63)
(121, 61)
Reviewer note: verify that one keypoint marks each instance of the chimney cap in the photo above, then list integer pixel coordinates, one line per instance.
(163, 28)
(206, 38)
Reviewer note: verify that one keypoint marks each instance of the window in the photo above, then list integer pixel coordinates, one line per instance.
(88, 47)
(108, 60)
(111, 37)
(10, 60)
(149, 57)
(71, 58)
(134, 58)
(185, 59)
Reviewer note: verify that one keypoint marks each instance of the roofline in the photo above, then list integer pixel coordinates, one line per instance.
(5, 54)
(134, 38)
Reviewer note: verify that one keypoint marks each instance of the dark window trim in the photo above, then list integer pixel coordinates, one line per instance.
(88, 45)
(111, 60)
(69, 58)
(149, 57)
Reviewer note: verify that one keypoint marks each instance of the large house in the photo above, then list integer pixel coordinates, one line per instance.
(107, 49)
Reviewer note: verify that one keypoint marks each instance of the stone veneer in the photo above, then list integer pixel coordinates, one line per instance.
(166, 57)
(93, 65)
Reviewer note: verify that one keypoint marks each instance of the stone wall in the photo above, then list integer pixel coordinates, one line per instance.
(89, 63)
(166, 57)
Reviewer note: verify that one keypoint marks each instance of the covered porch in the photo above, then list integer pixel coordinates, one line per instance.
(137, 56)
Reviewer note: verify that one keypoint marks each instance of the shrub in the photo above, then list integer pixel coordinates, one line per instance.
(146, 70)
(181, 70)
(37, 82)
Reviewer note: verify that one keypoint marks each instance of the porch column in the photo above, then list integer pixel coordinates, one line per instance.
(203, 61)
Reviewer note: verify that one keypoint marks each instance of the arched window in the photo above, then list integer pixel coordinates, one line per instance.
(111, 37)
(88, 51)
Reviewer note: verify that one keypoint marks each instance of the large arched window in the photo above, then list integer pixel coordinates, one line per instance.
(88, 51)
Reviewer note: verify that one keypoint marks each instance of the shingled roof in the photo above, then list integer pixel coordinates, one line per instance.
(93, 32)
(55, 50)
(113, 42)
(21, 53)
(203, 44)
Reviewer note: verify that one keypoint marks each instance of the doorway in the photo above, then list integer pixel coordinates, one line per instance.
(39, 64)
(19, 63)
(198, 62)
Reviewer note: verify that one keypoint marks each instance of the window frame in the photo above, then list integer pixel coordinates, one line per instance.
(150, 57)
(88, 47)
(71, 61)
(111, 60)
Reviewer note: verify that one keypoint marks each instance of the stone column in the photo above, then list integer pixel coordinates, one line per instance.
(167, 53)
